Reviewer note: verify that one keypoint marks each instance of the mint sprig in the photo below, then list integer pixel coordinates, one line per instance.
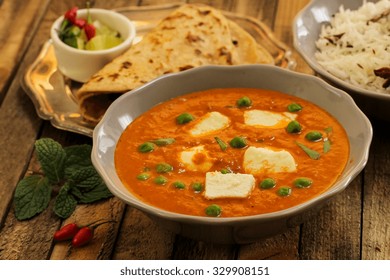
(68, 169)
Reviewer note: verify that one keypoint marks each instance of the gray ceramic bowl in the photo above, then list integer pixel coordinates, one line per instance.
(243, 229)
(306, 29)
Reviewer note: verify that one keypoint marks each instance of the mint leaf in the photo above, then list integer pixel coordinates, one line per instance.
(77, 156)
(97, 193)
(51, 156)
(86, 178)
(32, 196)
(311, 153)
(65, 202)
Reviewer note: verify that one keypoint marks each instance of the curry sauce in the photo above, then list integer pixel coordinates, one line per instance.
(150, 154)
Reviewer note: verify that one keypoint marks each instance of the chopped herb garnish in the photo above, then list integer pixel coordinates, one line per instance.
(327, 145)
(311, 153)
(327, 142)
(221, 143)
(226, 170)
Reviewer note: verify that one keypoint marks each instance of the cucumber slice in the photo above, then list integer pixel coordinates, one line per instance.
(102, 42)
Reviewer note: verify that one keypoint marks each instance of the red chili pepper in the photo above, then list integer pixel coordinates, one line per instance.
(67, 232)
(71, 14)
(86, 233)
(90, 31)
(83, 236)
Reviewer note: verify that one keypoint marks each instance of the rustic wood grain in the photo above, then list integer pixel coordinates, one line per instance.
(187, 249)
(19, 20)
(335, 233)
(376, 197)
(284, 246)
(142, 239)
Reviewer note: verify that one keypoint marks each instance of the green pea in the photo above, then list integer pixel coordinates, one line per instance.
(197, 186)
(267, 183)
(184, 118)
(163, 167)
(213, 210)
(294, 107)
(238, 142)
(284, 191)
(160, 180)
(143, 176)
(293, 127)
(302, 182)
(313, 136)
(146, 147)
(244, 102)
(179, 185)
(164, 141)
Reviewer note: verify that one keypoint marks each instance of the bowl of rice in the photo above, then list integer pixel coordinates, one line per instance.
(347, 43)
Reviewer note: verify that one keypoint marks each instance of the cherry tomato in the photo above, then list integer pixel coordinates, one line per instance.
(80, 22)
(71, 14)
(90, 30)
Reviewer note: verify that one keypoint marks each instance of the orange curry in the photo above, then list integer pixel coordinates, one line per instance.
(147, 156)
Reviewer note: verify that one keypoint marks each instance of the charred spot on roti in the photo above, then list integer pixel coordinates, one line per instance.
(185, 67)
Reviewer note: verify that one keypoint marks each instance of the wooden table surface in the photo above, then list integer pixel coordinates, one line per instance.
(353, 225)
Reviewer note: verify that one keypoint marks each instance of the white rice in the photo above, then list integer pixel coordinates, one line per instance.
(363, 47)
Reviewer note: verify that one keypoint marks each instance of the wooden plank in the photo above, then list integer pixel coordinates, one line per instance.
(376, 199)
(188, 249)
(19, 20)
(283, 246)
(142, 238)
(18, 120)
(335, 233)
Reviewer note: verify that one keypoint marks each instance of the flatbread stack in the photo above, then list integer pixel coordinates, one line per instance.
(191, 36)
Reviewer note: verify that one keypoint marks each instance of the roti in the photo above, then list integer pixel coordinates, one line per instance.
(193, 35)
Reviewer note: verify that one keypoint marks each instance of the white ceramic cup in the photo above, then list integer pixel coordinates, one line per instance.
(80, 65)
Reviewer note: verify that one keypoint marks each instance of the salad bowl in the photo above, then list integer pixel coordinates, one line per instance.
(79, 64)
